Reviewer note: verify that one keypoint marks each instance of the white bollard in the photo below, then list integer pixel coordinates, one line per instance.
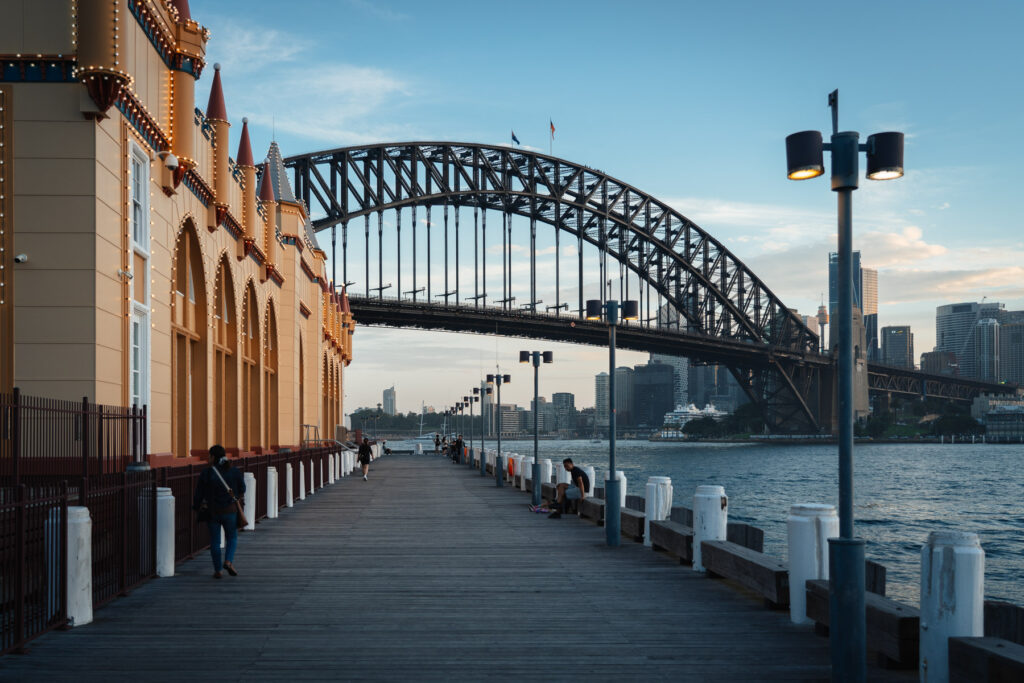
(302, 480)
(250, 500)
(330, 468)
(289, 498)
(545, 471)
(527, 472)
(952, 598)
(658, 503)
(164, 532)
(419, 449)
(561, 475)
(79, 566)
(621, 476)
(710, 519)
(312, 477)
(272, 493)
(517, 466)
(591, 477)
(809, 527)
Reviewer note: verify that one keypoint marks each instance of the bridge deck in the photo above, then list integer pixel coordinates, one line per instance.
(429, 572)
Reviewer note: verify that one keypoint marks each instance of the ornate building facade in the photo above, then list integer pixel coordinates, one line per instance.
(141, 263)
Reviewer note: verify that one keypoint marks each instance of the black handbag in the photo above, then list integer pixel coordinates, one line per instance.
(203, 513)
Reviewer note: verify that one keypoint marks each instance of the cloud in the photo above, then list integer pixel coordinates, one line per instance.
(886, 249)
(376, 10)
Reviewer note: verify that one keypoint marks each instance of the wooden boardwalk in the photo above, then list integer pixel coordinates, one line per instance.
(430, 572)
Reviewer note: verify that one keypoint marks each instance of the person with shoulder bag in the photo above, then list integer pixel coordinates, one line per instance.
(218, 501)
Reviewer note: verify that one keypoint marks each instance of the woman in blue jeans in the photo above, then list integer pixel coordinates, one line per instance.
(218, 494)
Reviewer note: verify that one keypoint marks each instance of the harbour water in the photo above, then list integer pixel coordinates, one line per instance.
(902, 492)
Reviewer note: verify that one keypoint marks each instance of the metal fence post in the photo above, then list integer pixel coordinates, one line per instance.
(19, 605)
(16, 436)
(124, 533)
(63, 616)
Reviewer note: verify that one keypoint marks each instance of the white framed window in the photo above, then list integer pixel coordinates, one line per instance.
(140, 318)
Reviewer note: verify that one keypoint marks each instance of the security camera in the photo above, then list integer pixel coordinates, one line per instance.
(21, 258)
(170, 161)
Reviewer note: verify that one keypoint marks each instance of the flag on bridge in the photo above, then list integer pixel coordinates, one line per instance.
(515, 139)
(552, 129)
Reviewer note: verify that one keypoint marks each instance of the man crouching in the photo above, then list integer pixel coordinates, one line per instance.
(577, 489)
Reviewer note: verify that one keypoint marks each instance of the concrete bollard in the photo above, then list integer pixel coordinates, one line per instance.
(592, 478)
(527, 465)
(561, 475)
(79, 566)
(312, 478)
(545, 471)
(330, 468)
(164, 532)
(419, 449)
(658, 503)
(289, 498)
(271, 493)
(809, 527)
(710, 519)
(515, 467)
(250, 500)
(302, 481)
(621, 476)
(952, 598)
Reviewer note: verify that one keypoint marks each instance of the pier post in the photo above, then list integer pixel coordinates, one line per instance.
(164, 532)
(809, 527)
(499, 470)
(711, 519)
(483, 463)
(848, 628)
(658, 503)
(289, 500)
(79, 550)
(250, 500)
(527, 474)
(545, 471)
(271, 492)
(952, 597)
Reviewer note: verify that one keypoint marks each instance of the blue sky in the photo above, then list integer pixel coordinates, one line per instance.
(688, 101)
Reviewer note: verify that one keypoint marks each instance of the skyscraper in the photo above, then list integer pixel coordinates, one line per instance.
(955, 326)
(986, 349)
(624, 397)
(898, 346)
(601, 401)
(869, 307)
(389, 401)
(1011, 353)
(865, 298)
(565, 412)
(680, 376)
(652, 394)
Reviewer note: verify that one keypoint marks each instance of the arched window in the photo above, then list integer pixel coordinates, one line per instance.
(270, 376)
(188, 348)
(225, 359)
(251, 348)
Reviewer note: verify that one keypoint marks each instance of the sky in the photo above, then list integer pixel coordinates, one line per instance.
(690, 102)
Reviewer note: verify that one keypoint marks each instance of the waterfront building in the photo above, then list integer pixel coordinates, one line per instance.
(1005, 423)
(624, 398)
(652, 394)
(865, 300)
(161, 272)
(939, 363)
(565, 413)
(956, 328)
(869, 308)
(601, 401)
(715, 384)
(1011, 348)
(898, 346)
(986, 403)
(510, 417)
(680, 376)
(986, 349)
(389, 401)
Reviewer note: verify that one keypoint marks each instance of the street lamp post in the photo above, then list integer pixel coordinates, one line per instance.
(498, 380)
(846, 553)
(535, 357)
(471, 400)
(612, 487)
(483, 431)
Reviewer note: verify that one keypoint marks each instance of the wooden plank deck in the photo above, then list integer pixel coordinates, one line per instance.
(430, 572)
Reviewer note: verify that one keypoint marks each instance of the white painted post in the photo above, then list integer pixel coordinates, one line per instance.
(289, 498)
(561, 476)
(312, 478)
(710, 519)
(419, 449)
(527, 465)
(621, 476)
(952, 597)
(658, 504)
(809, 527)
(302, 480)
(330, 468)
(250, 500)
(591, 477)
(272, 493)
(79, 551)
(545, 472)
(164, 532)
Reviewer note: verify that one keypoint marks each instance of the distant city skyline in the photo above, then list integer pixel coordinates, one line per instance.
(710, 144)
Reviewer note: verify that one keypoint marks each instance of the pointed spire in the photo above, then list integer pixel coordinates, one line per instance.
(244, 157)
(345, 307)
(215, 109)
(266, 187)
(279, 177)
(184, 14)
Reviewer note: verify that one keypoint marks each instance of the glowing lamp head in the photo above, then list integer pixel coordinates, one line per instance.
(524, 356)
(595, 310)
(549, 356)
(885, 156)
(804, 158)
(630, 309)
(506, 379)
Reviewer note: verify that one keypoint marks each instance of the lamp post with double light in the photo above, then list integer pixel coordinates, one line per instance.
(804, 160)
(470, 400)
(535, 357)
(498, 380)
(609, 310)
(488, 391)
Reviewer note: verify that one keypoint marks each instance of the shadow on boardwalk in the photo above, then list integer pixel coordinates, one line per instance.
(429, 572)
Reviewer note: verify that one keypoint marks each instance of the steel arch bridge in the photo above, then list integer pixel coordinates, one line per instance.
(708, 304)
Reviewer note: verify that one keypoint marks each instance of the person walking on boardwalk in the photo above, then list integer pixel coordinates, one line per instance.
(437, 443)
(364, 456)
(460, 448)
(576, 490)
(220, 486)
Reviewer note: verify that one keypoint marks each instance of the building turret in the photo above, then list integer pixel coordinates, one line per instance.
(250, 219)
(217, 115)
(189, 61)
(98, 35)
(270, 208)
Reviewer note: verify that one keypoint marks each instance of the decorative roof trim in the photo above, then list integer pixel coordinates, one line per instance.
(45, 69)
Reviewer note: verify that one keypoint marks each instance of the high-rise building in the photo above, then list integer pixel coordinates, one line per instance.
(1011, 353)
(565, 412)
(986, 349)
(601, 401)
(955, 328)
(652, 394)
(939, 363)
(715, 385)
(624, 398)
(389, 401)
(898, 346)
(680, 376)
(865, 299)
